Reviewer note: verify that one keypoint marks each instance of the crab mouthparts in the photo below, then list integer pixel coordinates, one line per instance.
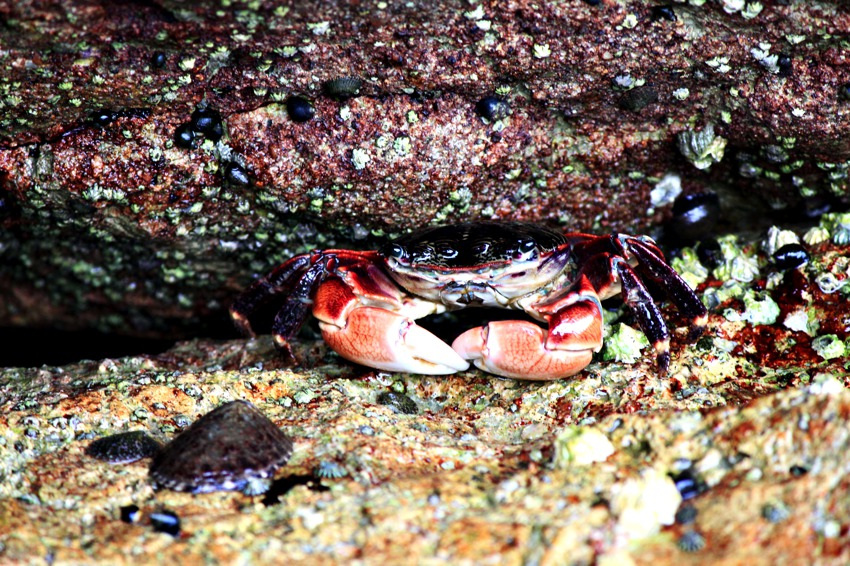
(467, 294)
(470, 299)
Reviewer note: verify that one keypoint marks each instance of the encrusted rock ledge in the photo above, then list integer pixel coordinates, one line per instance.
(739, 454)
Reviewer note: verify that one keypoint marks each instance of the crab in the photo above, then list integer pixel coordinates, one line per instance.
(367, 302)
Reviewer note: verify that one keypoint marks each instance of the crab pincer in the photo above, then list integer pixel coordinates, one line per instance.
(522, 349)
(385, 340)
(517, 348)
(377, 337)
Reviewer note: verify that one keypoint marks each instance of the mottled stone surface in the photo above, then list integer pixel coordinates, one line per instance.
(105, 223)
(750, 424)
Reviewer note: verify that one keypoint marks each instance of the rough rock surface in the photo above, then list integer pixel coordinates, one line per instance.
(106, 223)
(738, 455)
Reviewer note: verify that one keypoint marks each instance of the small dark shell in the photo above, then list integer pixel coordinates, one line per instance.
(775, 512)
(234, 447)
(342, 87)
(299, 109)
(686, 514)
(785, 65)
(663, 12)
(124, 447)
(638, 98)
(208, 122)
(694, 216)
(798, 471)
(709, 253)
(593, 2)
(398, 402)
(184, 136)
(204, 118)
(493, 108)
(689, 485)
(691, 541)
(215, 132)
(158, 60)
(790, 256)
(844, 92)
(129, 513)
(103, 117)
(166, 521)
(236, 175)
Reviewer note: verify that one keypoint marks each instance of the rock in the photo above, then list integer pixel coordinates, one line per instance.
(106, 222)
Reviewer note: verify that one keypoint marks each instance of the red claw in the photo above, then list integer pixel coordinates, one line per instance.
(382, 339)
(515, 348)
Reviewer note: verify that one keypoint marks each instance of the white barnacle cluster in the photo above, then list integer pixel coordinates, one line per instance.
(838, 225)
(720, 64)
(765, 59)
(748, 10)
(702, 148)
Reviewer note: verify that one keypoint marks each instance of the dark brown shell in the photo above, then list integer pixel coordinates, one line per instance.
(230, 448)
(124, 447)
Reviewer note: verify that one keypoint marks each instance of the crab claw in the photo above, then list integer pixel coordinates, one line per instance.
(516, 348)
(382, 339)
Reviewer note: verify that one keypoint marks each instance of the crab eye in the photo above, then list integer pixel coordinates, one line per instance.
(526, 247)
(396, 251)
(447, 252)
(481, 249)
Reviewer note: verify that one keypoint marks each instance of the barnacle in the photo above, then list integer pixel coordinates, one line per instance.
(342, 87)
(702, 148)
(691, 541)
(330, 469)
(398, 402)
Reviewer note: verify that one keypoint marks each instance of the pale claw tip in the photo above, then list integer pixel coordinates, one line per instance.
(428, 354)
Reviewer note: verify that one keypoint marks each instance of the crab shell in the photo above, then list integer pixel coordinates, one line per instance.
(367, 301)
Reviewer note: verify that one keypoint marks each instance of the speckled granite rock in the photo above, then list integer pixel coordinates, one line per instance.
(105, 222)
(739, 455)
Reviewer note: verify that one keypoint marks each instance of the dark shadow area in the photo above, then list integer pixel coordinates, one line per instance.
(33, 347)
(282, 486)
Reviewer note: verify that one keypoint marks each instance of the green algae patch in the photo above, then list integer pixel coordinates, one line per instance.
(624, 344)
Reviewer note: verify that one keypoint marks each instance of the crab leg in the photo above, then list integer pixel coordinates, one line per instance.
(651, 263)
(645, 310)
(364, 328)
(264, 289)
(293, 312)
(611, 274)
(645, 257)
(524, 350)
